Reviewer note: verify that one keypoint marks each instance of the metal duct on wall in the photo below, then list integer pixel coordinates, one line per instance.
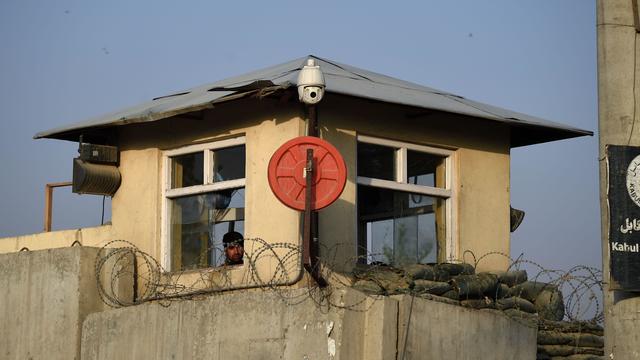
(97, 179)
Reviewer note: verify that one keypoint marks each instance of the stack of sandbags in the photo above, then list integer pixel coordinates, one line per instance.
(381, 280)
(546, 298)
(508, 291)
(562, 340)
(435, 279)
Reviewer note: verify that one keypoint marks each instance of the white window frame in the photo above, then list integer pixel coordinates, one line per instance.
(209, 186)
(401, 183)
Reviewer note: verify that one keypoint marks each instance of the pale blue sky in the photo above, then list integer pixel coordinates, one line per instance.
(65, 61)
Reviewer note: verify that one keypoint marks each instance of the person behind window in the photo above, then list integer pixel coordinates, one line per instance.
(233, 243)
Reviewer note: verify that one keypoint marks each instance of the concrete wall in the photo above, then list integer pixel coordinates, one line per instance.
(618, 62)
(45, 297)
(260, 325)
(50, 309)
(444, 331)
(246, 325)
(92, 236)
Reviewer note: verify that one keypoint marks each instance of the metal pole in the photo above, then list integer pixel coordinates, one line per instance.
(313, 120)
(308, 199)
(48, 199)
(310, 236)
(313, 131)
(48, 202)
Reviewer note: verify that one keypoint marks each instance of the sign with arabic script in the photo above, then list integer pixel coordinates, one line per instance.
(623, 164)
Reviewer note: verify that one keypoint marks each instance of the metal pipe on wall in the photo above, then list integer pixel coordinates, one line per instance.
(48, 202)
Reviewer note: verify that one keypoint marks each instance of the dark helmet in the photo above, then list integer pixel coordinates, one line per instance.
(232, 238)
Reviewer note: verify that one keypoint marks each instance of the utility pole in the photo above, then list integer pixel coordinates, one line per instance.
(619, 95)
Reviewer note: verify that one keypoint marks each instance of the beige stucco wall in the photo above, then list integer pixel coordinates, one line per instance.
(481, 174)
(137, 206)
(480, 168)
(135, 213)
(483, 207)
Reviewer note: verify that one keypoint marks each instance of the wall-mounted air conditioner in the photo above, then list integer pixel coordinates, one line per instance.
(95, 171)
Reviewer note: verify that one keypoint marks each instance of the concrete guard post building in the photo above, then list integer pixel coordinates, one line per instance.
(427, 174)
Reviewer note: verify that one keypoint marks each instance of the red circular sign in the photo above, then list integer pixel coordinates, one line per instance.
(287, 173)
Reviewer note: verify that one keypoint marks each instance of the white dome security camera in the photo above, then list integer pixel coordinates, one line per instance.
(310, 83)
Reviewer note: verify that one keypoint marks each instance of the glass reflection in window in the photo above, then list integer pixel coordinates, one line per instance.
(198, 223)
(425, 169)
(187, 170)
(228, 163)
(376, 161)
(399, 227)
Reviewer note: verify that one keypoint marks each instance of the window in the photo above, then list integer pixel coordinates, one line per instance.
(204, 198)
(404, 202)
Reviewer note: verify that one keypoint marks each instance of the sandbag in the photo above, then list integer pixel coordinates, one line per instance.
(550, 304)
(478, 304)
(575, 357)
(420, 271)
(502, 291)
(442, 275)
(451, 294)
(573, 339)
(475, 286)
(431, 287)
(511, 278)
(566, 350)
(516, 303)
(382, 273)
(368, 286)
(570, 357)
(571, 327)
(391, 280)
(531, 289)
(553, 338)
(515, 314)
(456, 269)
(588, 340)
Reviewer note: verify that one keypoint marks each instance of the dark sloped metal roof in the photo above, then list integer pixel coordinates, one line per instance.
(340, 79)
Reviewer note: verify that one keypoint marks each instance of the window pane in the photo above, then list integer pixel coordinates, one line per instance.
(187, 170)
(199, 222)
(376, 161)
(428, 237)
(405, 240)
(379, 241)
(419, 200)
(398, 227)
(425, 169)
(229, 163)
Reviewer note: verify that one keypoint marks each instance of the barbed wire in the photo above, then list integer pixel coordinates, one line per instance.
(128, 276)
(580, 285)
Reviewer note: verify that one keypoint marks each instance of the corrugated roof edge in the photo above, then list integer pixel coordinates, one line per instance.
(341, 79)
